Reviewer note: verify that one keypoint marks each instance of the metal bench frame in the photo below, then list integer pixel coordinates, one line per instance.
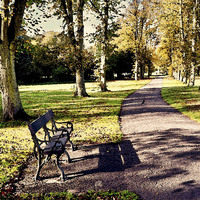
(53, 143)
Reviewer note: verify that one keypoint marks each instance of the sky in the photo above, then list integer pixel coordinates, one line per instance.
(53, 24)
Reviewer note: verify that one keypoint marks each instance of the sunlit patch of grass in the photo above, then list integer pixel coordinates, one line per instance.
(15, 146)
(171, 82)
(183, 98)
(98, 129)
(95, 118)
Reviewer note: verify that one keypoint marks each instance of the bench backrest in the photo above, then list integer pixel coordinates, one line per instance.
(40, 122)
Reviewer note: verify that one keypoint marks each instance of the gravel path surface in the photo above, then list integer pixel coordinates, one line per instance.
(159, 158)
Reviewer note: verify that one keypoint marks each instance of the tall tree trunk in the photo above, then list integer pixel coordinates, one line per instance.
(77, 43)
(103, 71)
(104, 50)
(11, 103)
(182, 36)
(179, 74)
(9, 31)
(198, 20)
(80, 82)
(194, 27)
(137, 42)
(142, 69)
(149, 69)
(194, 38)
(136, 66)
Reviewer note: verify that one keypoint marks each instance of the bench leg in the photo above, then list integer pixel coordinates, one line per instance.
(40, 165)
(69, 159)
(73, 148)
(63, 177)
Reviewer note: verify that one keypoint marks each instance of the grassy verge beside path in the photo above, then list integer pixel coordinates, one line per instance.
(183, 98)
(90, 195)
(95, 118)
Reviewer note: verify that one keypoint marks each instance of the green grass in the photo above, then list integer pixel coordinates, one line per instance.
(90, 195)
(183, 98)
(95, 118)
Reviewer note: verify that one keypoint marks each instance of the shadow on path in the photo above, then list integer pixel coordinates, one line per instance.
(111, 158)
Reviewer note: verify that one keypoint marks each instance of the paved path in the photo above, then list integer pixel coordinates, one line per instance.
(159, 158)
(167, 145)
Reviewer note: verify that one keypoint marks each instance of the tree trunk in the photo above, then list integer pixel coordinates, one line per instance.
(179, 75)
(80, 82)
(104, 50)
(198, 20)
(9, 31)
(142, 69)
(182, 36)
(185, 76)
(77, 43)
(80, 85)
(194, 27)
(103, 72)
(149, 69)
(136, 66)
(11, 103)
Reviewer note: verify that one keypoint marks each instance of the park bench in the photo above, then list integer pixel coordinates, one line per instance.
(53, 140)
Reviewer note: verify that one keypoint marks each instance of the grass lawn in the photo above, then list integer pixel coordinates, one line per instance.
(95, 118)
(183, 98)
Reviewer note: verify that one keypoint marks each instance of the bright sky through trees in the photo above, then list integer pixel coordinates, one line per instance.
(53, 24)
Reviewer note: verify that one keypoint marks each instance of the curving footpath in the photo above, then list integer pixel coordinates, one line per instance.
(159, 158)
(167, 145)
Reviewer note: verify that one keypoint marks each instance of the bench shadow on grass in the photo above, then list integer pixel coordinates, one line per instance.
(112, 158)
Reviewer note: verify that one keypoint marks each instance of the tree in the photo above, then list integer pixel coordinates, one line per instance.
(103, 14)
(106, 11)
(194, 41)
(10, 23)
(115, 62)
(137, 33)
(169, 52)
(179, 26)
(26, 72)
(66, 9)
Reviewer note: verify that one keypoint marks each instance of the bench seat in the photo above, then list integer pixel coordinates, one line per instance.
(55, 146)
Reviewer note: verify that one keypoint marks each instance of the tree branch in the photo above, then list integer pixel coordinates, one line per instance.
(68, 17)
(64, 8)
(96, 10)
(16, 20)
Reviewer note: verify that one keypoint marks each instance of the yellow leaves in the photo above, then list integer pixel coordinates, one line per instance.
(135, 27)
(126, 39)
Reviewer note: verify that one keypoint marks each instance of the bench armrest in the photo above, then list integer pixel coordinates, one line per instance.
(43, 141)
(68, 126)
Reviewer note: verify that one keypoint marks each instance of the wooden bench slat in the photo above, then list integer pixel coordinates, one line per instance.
(36, 125)
(54, 147)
